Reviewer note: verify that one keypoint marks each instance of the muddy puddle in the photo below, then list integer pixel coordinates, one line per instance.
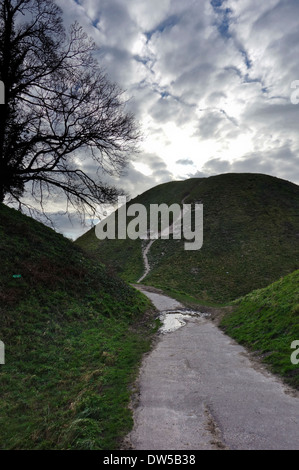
(174, 319)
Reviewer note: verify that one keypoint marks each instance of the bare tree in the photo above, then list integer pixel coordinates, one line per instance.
(59, 107)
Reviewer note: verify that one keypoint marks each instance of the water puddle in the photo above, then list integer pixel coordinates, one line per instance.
(174, 319)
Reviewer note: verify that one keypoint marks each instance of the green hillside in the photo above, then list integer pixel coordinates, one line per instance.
(74, 335)
(267, 321)
(251, 238)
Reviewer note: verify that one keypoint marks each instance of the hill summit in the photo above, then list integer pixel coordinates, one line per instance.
(251, 238)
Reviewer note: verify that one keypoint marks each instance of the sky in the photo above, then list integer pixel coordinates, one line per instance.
(210, 83)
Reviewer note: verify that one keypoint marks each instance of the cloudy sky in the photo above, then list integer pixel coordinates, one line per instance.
(210, 83)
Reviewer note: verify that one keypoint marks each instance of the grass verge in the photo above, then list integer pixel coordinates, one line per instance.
(74, 336)
(267, 322)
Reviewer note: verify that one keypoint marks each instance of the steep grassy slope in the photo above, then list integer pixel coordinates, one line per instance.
(267, 321)
(74, 335)
(251, 238)
(125, 256)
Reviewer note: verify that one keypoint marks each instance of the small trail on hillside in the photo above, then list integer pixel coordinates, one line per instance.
(147, 247)
(145, 260)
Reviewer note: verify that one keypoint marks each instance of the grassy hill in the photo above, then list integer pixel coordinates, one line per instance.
(251, 238)
(267, 321)
(74, 334)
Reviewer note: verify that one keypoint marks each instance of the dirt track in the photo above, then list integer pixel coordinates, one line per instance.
(200, 390)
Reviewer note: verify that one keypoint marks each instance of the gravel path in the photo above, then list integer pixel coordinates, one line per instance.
(200, 390)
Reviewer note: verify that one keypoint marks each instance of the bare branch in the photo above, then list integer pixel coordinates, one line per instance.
(59, 106)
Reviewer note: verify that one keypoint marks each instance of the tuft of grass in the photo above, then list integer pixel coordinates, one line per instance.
(267, 321)
(74, 336)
